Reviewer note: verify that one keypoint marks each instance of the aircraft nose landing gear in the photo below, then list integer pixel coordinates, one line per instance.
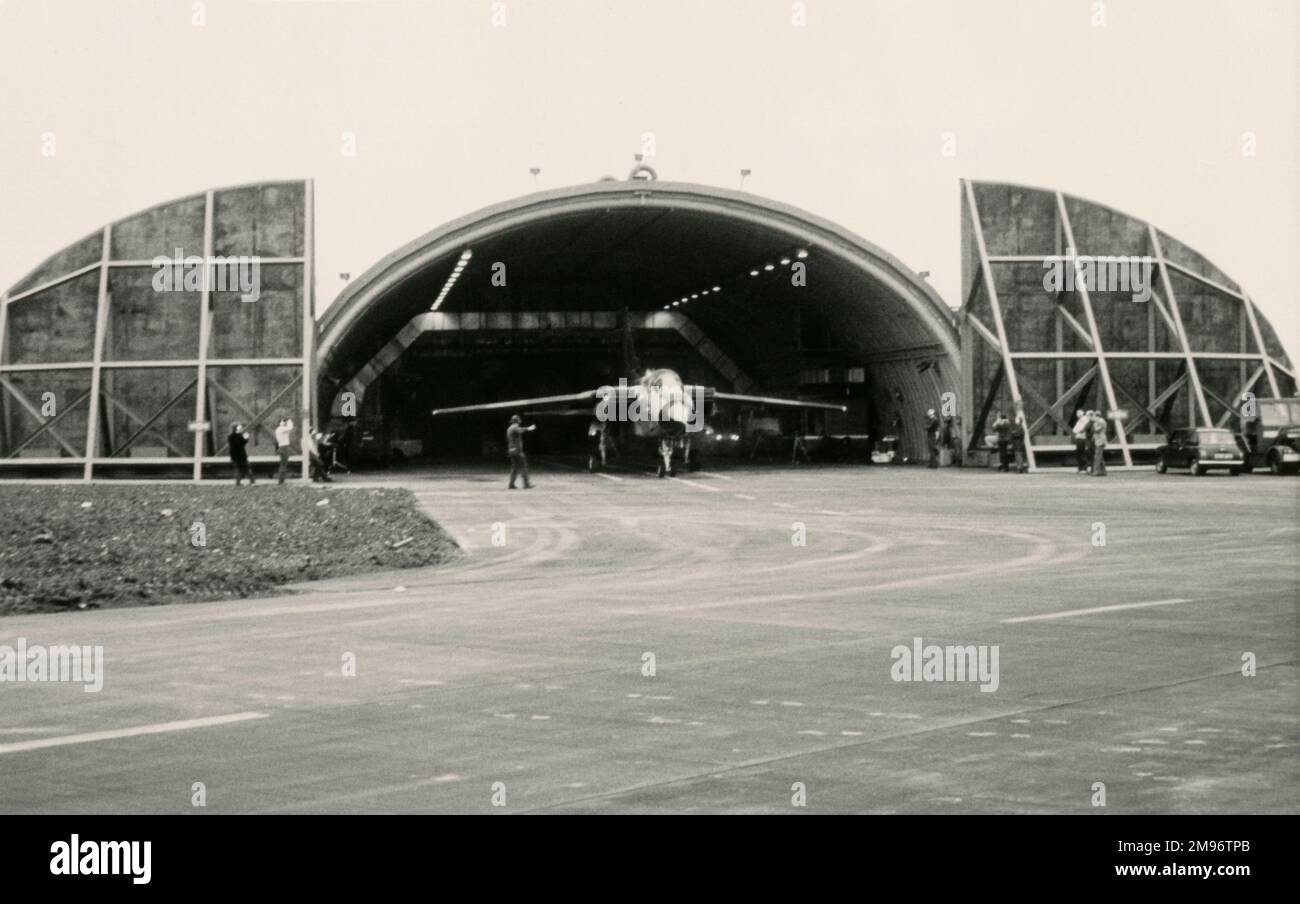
(666, 459)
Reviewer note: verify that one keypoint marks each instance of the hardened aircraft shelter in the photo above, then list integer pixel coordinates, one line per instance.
(103, 374)
(1184, 354)
(528, 298)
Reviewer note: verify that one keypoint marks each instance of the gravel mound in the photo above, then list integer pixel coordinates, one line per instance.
(79, 547)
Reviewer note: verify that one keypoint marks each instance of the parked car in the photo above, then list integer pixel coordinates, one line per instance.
(1201, 449)
(1282, 455)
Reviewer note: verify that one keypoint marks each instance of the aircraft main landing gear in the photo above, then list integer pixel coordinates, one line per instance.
(666, 459)
(691, 457)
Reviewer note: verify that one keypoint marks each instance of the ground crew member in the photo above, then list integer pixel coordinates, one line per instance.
(932, 437)
(949, 439)
(1252, 432)
(1082, 427)
(238, 442)
(1018, 444)
(283, 436)
(1089, 447)
(515, 449)
(596, 433)
(315, 464)
(1098, 445)
(1002, 427)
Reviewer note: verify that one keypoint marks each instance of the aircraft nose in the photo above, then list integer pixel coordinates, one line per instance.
(674, 410)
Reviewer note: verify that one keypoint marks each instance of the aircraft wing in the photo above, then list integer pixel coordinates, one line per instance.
(588, 396)
(767, 400)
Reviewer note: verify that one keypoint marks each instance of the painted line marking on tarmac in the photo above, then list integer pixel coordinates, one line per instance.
(136, 731)
(714, 474)
(1069, 613)
(608, 476)
(692, 483)
(744, 496)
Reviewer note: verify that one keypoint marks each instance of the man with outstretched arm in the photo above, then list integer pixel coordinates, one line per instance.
(515, 449)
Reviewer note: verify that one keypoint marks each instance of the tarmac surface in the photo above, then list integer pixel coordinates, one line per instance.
(516, 681)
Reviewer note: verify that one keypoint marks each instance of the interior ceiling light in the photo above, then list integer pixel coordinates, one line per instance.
(451, 279)
(785, 260)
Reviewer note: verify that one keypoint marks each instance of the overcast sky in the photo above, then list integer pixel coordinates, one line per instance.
(844, 116)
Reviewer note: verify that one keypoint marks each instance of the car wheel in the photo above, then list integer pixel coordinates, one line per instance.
(1274, 465)
(1234, 472)
(1162, 466)
(1197, 469)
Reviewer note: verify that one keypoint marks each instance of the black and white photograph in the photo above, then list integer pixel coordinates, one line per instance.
(689, 407)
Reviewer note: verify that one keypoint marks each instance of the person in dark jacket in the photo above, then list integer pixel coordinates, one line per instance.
(238, 441)
(932, 438)
(1002, 427)
(515, 449)
(1089, 442)
(1018, 444)
(949, 439)
(312, 447)
(1253, 432)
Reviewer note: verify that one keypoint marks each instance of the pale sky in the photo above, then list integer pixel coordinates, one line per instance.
(844, 116)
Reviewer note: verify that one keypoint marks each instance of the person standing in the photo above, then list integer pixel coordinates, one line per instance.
(1082, 427)
(932, 438)
(1089, 447)
(1098, 445)
(1002, 427)
(950, 439)
(515, 449)
(1252, 431)
(312, 449)
(238, 442)
(596, 435)
(283, 440)
(1018, 444)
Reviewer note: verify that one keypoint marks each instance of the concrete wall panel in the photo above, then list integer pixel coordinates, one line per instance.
(263, 220)
(159, 231)
(148, 325)
(54, 326)
(270, 327)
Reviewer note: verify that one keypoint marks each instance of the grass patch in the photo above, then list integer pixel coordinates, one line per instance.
(98, 545)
